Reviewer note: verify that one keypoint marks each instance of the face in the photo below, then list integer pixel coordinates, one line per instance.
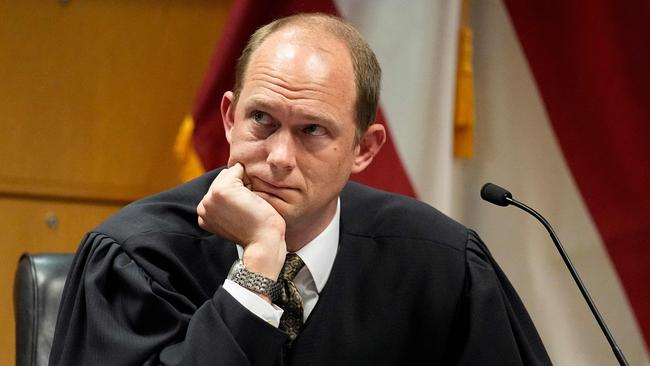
(293, 127)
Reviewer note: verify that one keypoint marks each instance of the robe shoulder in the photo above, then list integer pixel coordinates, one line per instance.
(171, 211)
(370, 212)
(489, 322)
(160, 233)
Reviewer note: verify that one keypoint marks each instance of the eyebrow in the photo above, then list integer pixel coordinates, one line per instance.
(311, 116)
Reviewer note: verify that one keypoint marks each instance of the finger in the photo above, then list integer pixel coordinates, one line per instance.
(237, 170)
(202, 223)
(234, 174)
(200, 209)
(225, 178)
(205, 225)
(240, 172)
(246, 179)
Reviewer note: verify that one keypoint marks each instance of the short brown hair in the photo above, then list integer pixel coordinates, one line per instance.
(367, 72)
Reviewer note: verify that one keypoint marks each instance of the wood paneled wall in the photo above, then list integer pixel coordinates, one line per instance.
(91, 96)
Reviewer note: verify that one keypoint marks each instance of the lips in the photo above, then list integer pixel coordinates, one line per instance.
(280, 191)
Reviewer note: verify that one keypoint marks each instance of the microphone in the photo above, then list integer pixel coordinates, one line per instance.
(501, 197)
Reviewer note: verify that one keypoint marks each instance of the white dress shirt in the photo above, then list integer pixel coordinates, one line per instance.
(318, 256)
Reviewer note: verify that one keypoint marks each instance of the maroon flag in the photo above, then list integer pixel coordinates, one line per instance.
(590, 63)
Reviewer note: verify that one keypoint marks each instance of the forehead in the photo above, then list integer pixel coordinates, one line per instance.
(303, 61)
(302, 38)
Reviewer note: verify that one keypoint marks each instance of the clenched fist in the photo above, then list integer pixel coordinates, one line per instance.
(233, 211)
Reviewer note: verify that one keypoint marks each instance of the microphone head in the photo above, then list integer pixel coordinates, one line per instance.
(495, 194)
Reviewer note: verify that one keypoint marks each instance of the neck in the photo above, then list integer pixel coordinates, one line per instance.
(302, 233)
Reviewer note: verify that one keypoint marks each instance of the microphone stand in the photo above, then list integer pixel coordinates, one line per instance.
(556, 240)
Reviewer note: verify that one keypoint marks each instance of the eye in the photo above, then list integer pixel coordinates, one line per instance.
(262, 118)
(315, 130)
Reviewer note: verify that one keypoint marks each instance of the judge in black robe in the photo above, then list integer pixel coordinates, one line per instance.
(408, 286)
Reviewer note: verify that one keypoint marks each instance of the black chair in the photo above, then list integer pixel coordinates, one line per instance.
(37, 292)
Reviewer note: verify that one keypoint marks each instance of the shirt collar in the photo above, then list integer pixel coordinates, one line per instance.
(319, 253)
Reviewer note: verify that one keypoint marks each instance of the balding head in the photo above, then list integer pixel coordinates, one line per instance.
(367, 72)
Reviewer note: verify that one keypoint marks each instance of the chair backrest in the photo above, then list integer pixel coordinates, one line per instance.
(37, 292)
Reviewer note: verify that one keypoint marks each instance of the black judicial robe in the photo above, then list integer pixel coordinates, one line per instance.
(408, 285)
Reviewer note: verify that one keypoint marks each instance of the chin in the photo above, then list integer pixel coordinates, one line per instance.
(279, 204)
(289, 213)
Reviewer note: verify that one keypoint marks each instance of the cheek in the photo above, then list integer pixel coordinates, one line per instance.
(242, 150)
(330, 170)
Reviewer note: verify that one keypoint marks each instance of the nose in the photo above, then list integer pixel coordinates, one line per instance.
(281, 151)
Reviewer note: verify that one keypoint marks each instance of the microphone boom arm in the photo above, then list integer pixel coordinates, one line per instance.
(556, 240)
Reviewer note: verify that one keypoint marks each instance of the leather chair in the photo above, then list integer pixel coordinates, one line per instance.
(37, 292)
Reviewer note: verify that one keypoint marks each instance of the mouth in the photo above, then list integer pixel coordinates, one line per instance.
(275, 190)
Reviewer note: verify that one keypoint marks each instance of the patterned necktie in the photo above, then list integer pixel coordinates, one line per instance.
(290, 300)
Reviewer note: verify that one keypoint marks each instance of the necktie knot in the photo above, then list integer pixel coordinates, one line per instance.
(292, 265)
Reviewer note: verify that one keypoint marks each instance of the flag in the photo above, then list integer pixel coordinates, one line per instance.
(562, 121)
(590, 64)
(557, 90)
(464, 106)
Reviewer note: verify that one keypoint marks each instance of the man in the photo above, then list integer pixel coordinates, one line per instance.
(277, 259)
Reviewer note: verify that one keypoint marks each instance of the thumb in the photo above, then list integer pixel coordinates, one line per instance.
(234, 173)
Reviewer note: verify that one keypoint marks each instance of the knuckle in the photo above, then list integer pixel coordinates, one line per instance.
(216, 195)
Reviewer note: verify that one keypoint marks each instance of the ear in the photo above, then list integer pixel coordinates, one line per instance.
(371, 142)
(228, 113)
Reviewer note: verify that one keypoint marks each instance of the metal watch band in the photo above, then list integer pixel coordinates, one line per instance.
(253, 281)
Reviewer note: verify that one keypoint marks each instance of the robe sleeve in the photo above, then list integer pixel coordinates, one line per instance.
(495, 328)
(113, 312)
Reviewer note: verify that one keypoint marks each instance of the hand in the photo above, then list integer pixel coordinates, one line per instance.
(233, 211)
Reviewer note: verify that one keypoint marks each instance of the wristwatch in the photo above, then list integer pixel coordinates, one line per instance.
(253, 281)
